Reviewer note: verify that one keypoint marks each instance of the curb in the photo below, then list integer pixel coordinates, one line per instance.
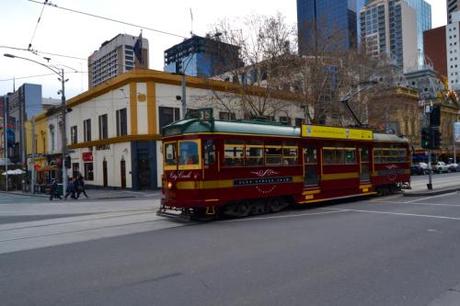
(431, 192)
(26, 194)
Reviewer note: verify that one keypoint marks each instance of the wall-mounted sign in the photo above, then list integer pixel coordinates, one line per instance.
(457, 131)
(87, 156)
(316, 131)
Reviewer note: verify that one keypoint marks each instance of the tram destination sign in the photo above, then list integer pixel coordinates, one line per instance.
(316, 131)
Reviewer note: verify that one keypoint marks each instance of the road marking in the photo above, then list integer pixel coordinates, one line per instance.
(422, 204)
(283, 216)
(432, 197)
(397, 214)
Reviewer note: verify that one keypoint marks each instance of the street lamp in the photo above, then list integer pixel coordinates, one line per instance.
(60, 74)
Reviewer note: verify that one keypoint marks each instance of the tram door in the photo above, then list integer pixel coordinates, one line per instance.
(310, 158)
(365, 163)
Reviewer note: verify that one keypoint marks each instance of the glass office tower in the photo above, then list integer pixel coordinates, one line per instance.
(329, 24)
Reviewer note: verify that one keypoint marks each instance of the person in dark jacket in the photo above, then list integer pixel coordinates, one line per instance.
(80, 186)
(54, 190)
(71, 189)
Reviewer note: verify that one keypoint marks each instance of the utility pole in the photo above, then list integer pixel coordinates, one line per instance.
(34, 149)
(63, 133)
(454, 143)
(5, 149)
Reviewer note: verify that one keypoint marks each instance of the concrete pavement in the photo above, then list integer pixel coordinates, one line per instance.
(378, 251)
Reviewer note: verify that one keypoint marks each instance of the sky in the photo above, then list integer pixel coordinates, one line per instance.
(67, 33)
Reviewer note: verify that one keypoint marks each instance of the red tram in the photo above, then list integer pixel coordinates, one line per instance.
(239, 168)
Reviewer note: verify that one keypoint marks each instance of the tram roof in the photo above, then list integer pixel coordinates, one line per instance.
(253, 127)
(389, 138)
(193, 126)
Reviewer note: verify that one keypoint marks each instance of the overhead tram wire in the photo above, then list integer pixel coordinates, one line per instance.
(45, 53)
(107, 18)
(29, 47)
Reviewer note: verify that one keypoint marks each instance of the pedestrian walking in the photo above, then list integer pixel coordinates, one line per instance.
(80, 182)
(54, 190)
(71, 189)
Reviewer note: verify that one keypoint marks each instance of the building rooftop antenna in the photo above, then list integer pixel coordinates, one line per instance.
(191, 22)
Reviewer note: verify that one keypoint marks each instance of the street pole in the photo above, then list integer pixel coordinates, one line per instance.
(5, 149)
(454, 144)
(430, 181)
(63, 132)
(34, 149)
(184, 94)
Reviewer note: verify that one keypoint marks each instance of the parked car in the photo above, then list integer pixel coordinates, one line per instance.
(418, 169)
(453, 167)
(440, 167)
(424, 166)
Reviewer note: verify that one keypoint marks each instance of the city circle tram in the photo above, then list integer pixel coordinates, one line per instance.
(238, 168)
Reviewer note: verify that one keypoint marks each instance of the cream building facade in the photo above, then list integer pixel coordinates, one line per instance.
(114, 130)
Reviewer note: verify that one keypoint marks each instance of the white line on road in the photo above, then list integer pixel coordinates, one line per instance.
(397, 214)
(422, 204)
(431, 197)
(283, 216)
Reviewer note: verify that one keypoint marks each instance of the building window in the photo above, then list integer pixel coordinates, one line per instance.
(103, 133)
(227, 116)
(87, 130)
(73, 135)
(168, 115)
(89, 174)
(52, 138)
(122, 122)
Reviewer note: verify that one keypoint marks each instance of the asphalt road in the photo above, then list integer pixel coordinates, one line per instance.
(377, 251)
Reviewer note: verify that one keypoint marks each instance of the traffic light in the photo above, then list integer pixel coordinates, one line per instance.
(435, 138)
(426, 138)
(67, 162)
(435, 116)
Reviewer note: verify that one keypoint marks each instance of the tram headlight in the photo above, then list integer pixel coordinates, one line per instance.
(169, 185)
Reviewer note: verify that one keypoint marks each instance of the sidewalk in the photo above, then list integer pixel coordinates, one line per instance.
(101, 194)
(441, 185)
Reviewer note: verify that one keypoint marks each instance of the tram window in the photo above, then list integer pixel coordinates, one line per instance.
(170, 154)
(350, 156)
(333, 156)
(254, 155)
(273, 155)
(390, 155)
(289, 155)
(209, 152)
(188, 153)
(234, 155)
(311, 161)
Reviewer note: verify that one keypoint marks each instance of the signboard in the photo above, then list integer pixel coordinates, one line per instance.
(315, 131)
(87, 156)
(457, 131)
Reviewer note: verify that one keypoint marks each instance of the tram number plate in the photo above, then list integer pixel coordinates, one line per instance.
(262, 181)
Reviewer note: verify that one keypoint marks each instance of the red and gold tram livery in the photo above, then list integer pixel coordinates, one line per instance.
(248, 167)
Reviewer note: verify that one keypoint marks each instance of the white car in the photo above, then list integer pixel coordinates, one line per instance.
(440, 167)
(453, 167)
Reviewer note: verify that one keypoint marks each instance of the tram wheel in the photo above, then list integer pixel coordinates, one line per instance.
(239, 209)
(276, 205)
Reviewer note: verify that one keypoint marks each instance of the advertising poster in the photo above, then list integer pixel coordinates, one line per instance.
(457, 132)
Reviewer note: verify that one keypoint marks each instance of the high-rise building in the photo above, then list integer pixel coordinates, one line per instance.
(389, 27)
(202, 56)
(452, 6)
(22, 105)
(453, 51)
(434, 48)
(117, 56)
(326, 24)
(423, 15)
